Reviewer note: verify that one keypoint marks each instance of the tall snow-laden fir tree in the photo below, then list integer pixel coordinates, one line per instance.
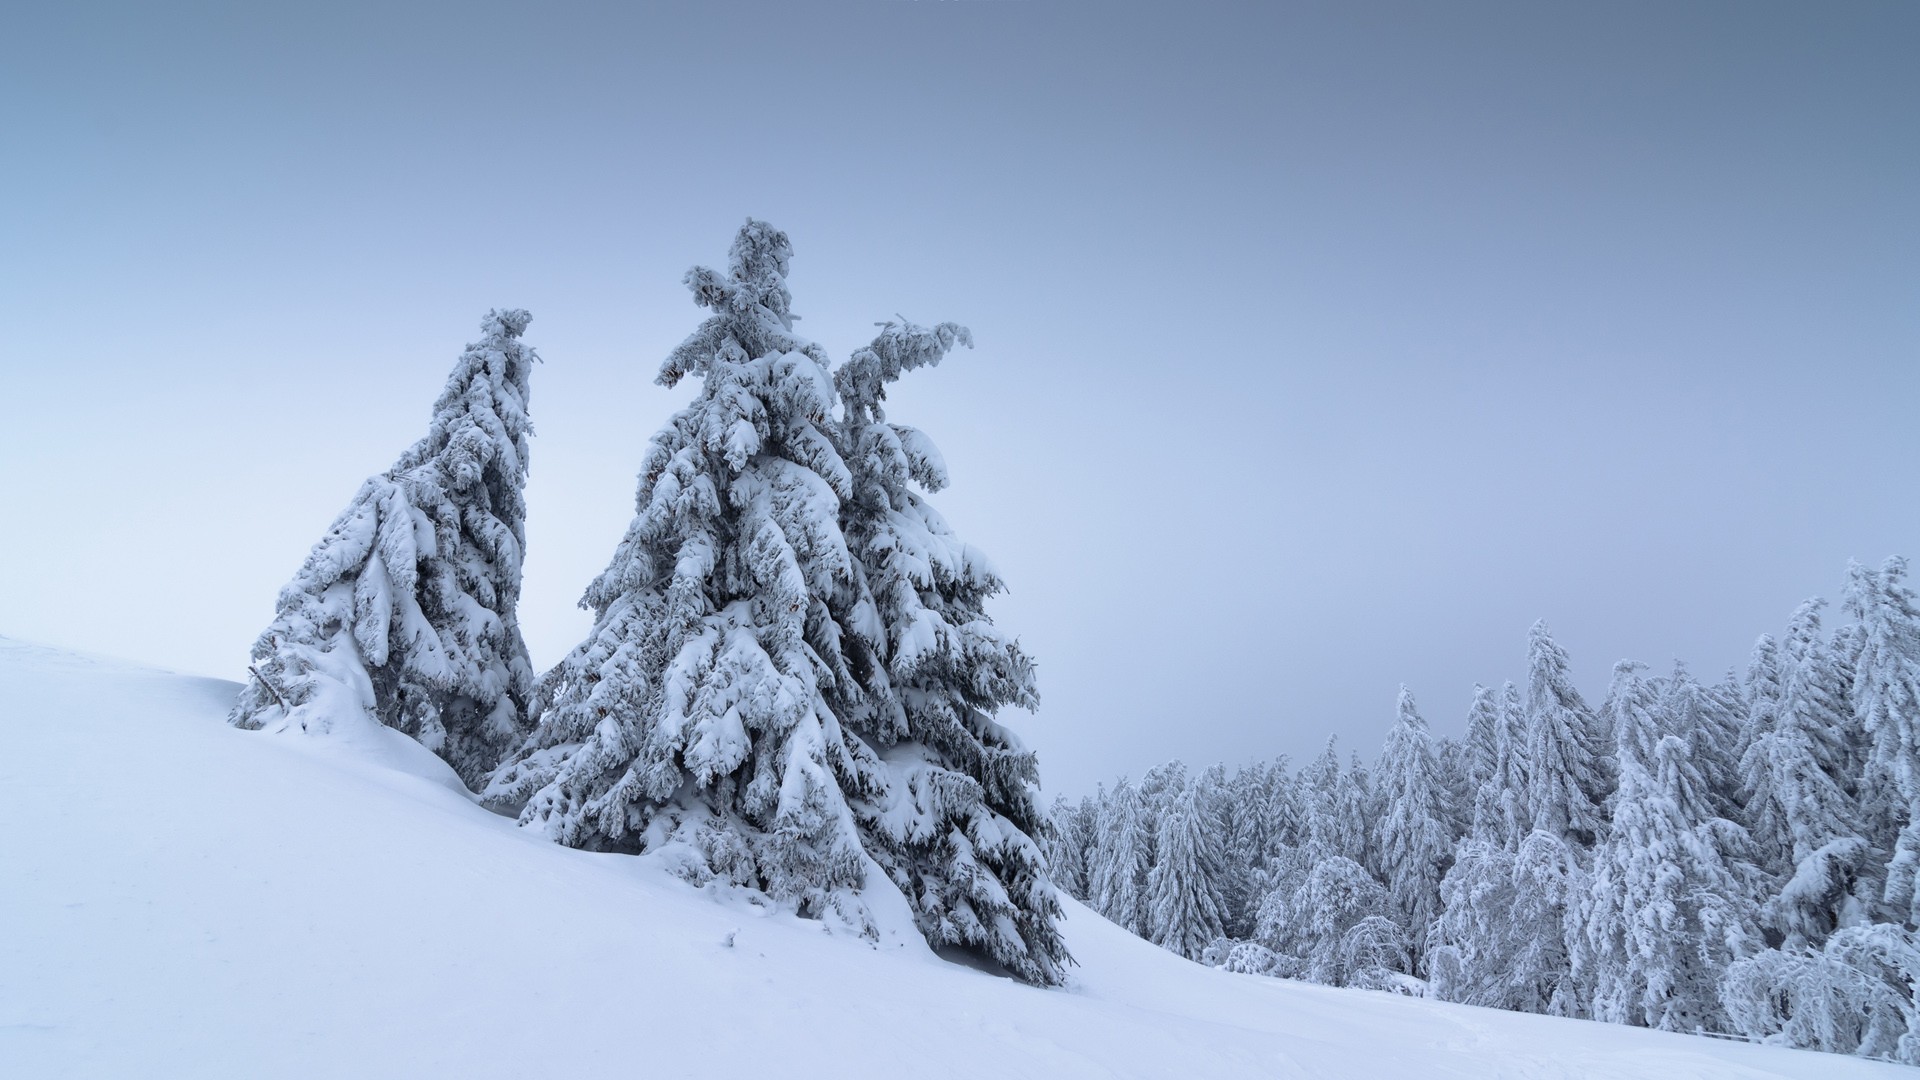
(1483, 754)
(1470, 946)
(1803, 818)
(1566, 772)
(954, 828)
(1414, 844)
(1457, 792)
(1339, 817)
(1319, 785)
(1509, 903)
(1764, 682)
(1854, 995)
(1260, 819)
(1158, 789)
(1667, 910)
(1329, 922)
(1117, 869)
(1184, 906)
(405, 610)
(1513, 779)
(1070, 835)
(694, 714)
(1550, 886)
(1886, 697)
(1361, 806)
(1711, 720)
(765, 702)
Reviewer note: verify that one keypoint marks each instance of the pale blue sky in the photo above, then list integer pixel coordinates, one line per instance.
(1321, 347)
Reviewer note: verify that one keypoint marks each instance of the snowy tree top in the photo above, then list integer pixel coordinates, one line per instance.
(752, 308)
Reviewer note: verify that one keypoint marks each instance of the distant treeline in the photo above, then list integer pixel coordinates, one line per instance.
(1735, 857)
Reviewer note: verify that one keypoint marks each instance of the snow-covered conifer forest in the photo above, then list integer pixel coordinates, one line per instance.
(792, 700)
(1732, 857)
(507, 570)
(792, 691)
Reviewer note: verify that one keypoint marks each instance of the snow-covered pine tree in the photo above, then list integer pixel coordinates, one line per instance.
(1483, 753)
(1764, 683)
(1515, 772)
(1803, 818)
(1549, 886)
(1666, 912)
(1184, 906)
(1068, 836)
(1330, 924)
(1244, 845)
(1855, 995)
(1566, 770)
(1457, 790)
(1319, 785)
(1844, 649)
(1469, 944)
(405, 610)
(694, 716)
(1117, 870)
(1509, 902)
(926, 671)
(1886, 697)
(1414, 843)
(1158, 789)
(1710, 722)
(1357, 811)
(1761, 689)
(1263, 819)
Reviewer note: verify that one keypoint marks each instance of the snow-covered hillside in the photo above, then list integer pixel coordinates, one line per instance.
(182, 899)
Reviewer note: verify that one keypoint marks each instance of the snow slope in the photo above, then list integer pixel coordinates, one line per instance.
(182, 899)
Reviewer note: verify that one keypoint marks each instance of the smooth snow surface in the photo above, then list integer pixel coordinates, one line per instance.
(182, 899)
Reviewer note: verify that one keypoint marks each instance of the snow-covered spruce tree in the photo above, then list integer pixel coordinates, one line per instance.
(1804, 820)
(1506, 926)
(1886, 697)
(1158, 789)
(1710, 719)
(1854, 995)
(926, 671)
(1117, 869)
(1509, 903)
(1566, 770)
(1844, 649)
(1414, 843)
(752, 702)
(694, 715)
(1470, 945)
(1455, 775)
(1184, 906)
(1070, 835)
(1329, 925)
(1728, 701)
(1550, 885)
(1761, 689)
(1483, 754)
(405, 610)
(1667, 911)
(1361, 806)
(1319, 785)
(1262, 818)
(1514, 777)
